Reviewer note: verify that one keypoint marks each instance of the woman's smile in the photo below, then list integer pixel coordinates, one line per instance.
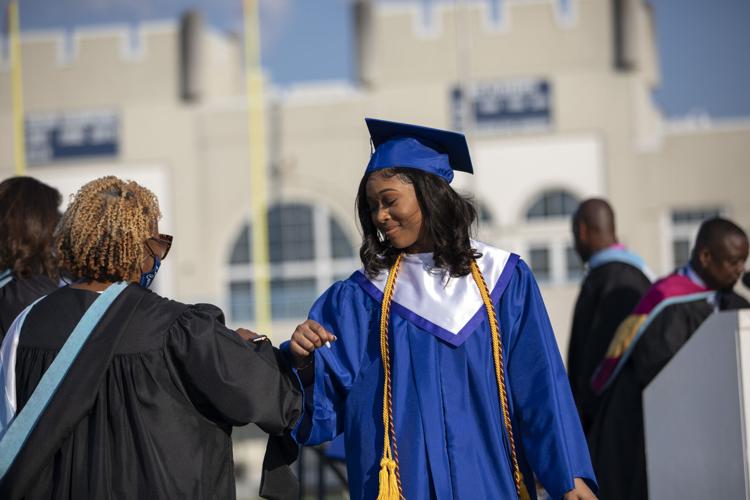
(395, 210)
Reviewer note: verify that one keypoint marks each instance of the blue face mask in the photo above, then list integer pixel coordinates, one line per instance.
(148, 278)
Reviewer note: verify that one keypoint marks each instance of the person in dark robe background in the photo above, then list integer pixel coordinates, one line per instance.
(615, 281)
(666, 318)
(147, 408)
(29, 211)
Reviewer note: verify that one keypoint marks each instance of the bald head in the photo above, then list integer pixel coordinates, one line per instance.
(713, 232)
(597, 214)
(593, 227)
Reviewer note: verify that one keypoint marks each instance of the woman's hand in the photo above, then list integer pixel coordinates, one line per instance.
(246, 334)
(306, 338)
(580, 492)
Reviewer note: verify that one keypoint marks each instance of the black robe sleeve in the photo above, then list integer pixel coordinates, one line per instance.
(729, 300)
(154, 380)
(229, 379)
(664, 337)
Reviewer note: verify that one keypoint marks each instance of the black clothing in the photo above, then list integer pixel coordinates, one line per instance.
(147, 408)
(608, 295)
(17, 294)
(617, 439)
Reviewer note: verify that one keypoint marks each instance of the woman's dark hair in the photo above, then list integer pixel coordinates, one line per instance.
(447, 219)
(28, 216)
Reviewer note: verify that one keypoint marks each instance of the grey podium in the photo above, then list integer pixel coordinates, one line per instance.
(696, 415)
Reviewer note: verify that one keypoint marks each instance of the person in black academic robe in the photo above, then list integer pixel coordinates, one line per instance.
(28, 216)
(617, 439)
(157, 422)
(19, 293)
(615, 280)
(608, 294)
(147, 407)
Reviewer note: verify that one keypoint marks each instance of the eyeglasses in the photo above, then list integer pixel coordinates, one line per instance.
(159, 245)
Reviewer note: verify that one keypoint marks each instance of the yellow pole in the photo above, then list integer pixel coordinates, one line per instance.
(19, 134)
(258, 167)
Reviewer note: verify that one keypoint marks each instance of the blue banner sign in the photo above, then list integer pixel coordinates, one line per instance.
(507, 104)
(52, 137)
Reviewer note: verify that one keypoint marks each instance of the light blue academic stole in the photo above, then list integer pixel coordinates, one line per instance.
(6, 276)
(623, 255)
(21, 426)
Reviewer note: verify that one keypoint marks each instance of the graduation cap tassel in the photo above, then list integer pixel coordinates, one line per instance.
(389, 482)
(497, 355)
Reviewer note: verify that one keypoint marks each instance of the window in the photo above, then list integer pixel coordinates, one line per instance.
(552, 204)
(540, 263)
(340, 244)
(551, 255)
(292, 298)
(290, 233)
(241, 247)
(694, 216)
(308, 250)
(484, 214)
(685, 224)
(241, 305)
(680, 251)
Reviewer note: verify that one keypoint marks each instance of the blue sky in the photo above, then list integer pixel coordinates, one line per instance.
(704, 45)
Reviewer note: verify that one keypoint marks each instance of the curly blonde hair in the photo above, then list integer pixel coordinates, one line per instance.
(101, 235)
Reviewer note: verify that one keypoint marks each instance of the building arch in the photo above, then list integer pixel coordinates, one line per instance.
(309, 247)
(549, 249)
(551, 203)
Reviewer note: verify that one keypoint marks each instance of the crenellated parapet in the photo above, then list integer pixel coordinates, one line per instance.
(403, 42)
(117, 42)
(114, 64)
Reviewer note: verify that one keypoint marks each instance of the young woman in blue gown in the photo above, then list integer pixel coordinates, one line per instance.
(444, 375)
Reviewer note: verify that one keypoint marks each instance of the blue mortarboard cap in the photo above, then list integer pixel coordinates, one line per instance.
(432, 150)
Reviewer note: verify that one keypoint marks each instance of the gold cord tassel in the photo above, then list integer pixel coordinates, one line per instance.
(388, 488)
(389, 482)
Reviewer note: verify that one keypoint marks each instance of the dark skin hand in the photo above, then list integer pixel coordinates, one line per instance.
(246, 334)
(307, 337)
(580, 492)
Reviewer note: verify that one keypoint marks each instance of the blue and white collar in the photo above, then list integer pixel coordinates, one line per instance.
(618, 253)
(688, 271)
(449, 308)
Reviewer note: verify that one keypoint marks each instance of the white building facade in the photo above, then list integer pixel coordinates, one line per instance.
(554, 96)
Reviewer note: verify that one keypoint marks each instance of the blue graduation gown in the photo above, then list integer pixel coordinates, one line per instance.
(450, 435)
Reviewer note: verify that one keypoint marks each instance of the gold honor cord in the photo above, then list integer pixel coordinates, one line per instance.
(389, 478)
(497, 354)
